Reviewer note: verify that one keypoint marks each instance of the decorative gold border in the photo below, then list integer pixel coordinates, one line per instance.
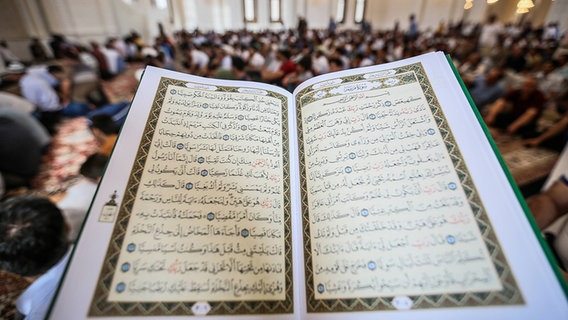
(510, 295)
(100, 306)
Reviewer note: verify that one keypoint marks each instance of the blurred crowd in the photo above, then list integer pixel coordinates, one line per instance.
(517, 76)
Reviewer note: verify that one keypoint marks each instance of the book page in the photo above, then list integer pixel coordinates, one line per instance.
(391, 214)
(204, 224)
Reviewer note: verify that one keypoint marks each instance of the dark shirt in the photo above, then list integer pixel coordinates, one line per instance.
(288, 66)
(484, 94)
(516, 63)
(20, 152)
(521, 104)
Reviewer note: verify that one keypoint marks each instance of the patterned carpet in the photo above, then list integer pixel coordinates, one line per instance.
(73, 142)
(527, 165)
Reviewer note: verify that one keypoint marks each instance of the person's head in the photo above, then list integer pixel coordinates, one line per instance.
(33, 235)
(529, 85)
(305, 64)
(548, 66)
(95, 45)
(283, 55)
(94, 166)
(102, 126)
(335, 64)
(494, 75)
(238, 63)
(14, 71)
(254, 46)
(517, 50)
(56, 70)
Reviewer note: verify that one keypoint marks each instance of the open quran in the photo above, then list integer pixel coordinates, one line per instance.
(368, 193)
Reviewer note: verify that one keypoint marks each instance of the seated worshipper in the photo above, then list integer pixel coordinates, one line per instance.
(486, 89)
(238, 66)
(254, 58)
(287, 66)
(118, 111)
(33, 244)
(32, 125)
(472, 67)
(303, 72)
(7, 55)
(103, 68)
(114, 60)
(546, 208)
(50, 91)
(78, 197)
(335, 64)
(198, 61)
(236, 71)
(518, 111)
(105, 131)
(549, 82)
(20, 150)
(554, 137)
(37, 50)
(320, 62)
(516, 60)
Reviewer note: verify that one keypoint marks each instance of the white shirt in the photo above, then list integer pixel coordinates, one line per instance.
(320, 65)
(35, 301)
(226, 63)
(89, 60)
(76, 203)
(257, 60)
(199, 58)
(112, 57)
(39, 92)
(490, 34)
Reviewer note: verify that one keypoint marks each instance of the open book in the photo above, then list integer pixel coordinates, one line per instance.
(369, 193)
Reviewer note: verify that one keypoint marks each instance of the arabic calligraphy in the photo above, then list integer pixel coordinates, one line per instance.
(387, 213)
(207, 221)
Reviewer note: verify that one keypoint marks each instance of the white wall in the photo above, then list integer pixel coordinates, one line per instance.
(558, 12)
(13, 28)
(318, 13)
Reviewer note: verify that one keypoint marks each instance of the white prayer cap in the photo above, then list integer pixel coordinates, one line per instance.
(15, 67)
(228, 49)
(149, 51)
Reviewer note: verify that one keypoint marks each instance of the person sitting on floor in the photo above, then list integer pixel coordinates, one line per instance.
(554, 137)
(50, 91)
(286, 66)
(33, 244)
(20, 150)
(118, 111)
(546, 208)
(105, 131)
(303, 72)
(518, 111)
(486, 89)
(7, 55)
(78, 197)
